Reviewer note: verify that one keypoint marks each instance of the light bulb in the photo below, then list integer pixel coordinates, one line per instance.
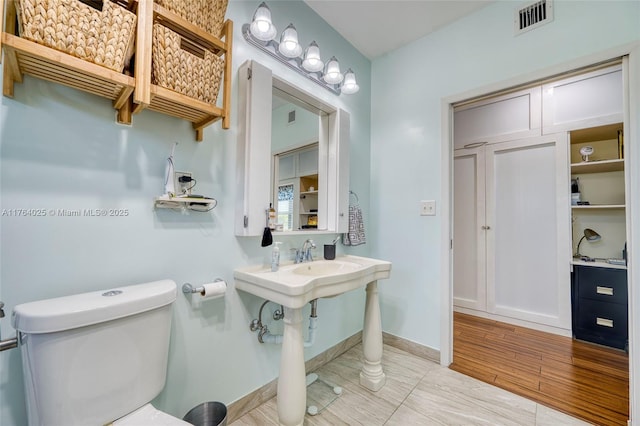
(263, 26)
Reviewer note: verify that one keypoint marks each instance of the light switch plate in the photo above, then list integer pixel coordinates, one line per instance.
(427, 208)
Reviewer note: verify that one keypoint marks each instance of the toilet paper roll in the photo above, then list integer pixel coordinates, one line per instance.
(213, 290)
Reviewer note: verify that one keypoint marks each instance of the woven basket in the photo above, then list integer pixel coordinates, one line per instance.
(102, 37)
(196, 74)
(206, 14)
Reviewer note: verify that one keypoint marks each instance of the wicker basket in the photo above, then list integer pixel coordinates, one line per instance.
(206, 14)
(102, 37)
(195, 72)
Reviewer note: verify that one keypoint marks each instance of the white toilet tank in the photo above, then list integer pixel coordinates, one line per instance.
(91, 358)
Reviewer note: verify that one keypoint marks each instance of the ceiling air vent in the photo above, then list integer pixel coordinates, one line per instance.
(533, 15)
(292, 117)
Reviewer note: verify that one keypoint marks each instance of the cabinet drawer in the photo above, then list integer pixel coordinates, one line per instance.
(605, 318)
(602, 284)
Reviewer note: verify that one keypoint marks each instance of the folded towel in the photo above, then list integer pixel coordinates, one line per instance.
(355, 236)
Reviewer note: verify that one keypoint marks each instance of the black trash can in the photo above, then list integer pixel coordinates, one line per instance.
(207, 414)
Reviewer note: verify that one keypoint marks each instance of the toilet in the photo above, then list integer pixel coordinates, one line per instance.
(97, 358)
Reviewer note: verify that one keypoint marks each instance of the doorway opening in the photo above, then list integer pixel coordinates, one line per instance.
(530, 360)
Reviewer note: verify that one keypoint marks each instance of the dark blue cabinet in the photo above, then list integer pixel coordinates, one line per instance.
(599, 306)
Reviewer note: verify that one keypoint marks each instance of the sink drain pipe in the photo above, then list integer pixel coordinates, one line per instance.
(266, 337)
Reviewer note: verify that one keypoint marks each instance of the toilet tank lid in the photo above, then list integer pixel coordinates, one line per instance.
(80, 310)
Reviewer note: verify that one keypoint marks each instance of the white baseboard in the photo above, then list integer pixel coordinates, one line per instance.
(522, 323)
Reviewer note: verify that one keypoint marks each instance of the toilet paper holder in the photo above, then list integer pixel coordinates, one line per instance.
(189, 289)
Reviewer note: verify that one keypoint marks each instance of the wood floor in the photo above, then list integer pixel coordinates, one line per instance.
(581, 379)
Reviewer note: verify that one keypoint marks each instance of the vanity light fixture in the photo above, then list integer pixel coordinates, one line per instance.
(261, 33)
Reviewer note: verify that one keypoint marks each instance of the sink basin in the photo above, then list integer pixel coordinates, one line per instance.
(325, 267)
(294, 285)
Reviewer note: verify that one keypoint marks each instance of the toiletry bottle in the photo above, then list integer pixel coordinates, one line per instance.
(275, 256)
(272, 217)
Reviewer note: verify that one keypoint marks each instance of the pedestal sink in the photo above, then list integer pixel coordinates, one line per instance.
(293, 286)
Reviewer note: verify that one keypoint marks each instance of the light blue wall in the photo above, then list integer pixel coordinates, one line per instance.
(61, 149)
(408, 86)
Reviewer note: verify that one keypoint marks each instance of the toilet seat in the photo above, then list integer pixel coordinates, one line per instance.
(148, 415)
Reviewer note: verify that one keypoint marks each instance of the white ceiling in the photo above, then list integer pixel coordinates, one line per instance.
(376, 27)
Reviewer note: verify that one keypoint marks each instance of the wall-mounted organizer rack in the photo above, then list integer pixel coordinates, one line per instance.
(129, 94)
(192, 203)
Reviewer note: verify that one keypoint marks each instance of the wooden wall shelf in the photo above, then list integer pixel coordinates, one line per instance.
(26, 57)
(129, 94)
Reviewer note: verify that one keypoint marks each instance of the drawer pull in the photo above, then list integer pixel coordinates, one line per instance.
(604, 322)
(607, 291)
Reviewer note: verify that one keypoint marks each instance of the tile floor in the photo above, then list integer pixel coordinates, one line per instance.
(417, 392)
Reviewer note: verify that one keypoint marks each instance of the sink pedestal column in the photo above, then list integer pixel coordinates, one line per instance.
(372, 377)
(292, 385)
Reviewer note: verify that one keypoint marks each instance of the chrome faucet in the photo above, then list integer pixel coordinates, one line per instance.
(304, 254)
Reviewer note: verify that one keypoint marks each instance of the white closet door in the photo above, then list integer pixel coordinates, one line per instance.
(469, 277)
(528, 273)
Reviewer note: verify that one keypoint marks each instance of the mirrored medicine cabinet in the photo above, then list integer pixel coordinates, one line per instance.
(293, 154)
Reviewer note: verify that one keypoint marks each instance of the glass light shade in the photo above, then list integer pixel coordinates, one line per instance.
(332, 73)
(261, 27)
(312, 61)
(349, 86)
(289, 45)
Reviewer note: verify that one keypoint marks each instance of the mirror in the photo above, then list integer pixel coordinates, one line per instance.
(295, 171)
(300, 159)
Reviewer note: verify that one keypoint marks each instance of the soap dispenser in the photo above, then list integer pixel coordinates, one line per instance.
(275, 256)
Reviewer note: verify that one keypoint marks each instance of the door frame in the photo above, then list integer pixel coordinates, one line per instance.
(632, 153)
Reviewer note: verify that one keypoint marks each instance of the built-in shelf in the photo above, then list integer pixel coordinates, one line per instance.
(601, 181)
(598, 263)
(616, 165)
(599, 206)
(599, 133)
(309, 193)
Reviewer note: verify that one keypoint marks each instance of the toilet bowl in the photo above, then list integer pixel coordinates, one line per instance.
(97, 358)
